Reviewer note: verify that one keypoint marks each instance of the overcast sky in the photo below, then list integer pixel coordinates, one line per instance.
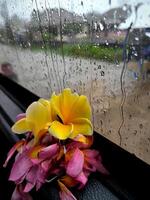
(23, 8)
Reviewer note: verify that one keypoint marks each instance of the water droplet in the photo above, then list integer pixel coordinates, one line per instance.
(106, 42)
(29, 44)
(135, 132)
(136, 38)
(124, 8)
(135, 54)
(140, 126)
(101, 26)
(102, 73)
(99, 66)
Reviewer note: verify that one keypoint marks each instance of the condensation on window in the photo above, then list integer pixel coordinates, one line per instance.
(97, 48)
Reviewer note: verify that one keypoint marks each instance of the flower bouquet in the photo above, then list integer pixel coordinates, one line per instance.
(58, 138)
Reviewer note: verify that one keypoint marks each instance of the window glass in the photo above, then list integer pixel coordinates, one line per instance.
(97, 48)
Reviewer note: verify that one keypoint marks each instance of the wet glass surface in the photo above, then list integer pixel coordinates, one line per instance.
(97, 48)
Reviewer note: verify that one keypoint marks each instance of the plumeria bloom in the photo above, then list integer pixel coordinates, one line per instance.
(73, 115)
(42, 155)
(65, 116)
(37, 118)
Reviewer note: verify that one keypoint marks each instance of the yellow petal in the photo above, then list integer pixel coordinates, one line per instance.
(86, 140)
(60, 130)
(81, 126)
(67, 102)
(40, 135)
(47, 104)
(33, 153)
(81, 109)
(69, 106)
(21, 126)
(44, 102)
(55, 102)
(37, 114)
(81, 138)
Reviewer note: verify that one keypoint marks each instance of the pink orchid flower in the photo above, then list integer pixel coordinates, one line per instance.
(32, 166)
(81, 161)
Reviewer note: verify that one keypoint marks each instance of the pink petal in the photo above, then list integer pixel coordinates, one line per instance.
(95, 161)
(41, 175)
(36, 161)
(82, 179)
(18, 194)
(46, 153)
(48, 139)
(74, 145)
(49, 151)
(38, 185)
(20, 116)
(75, 165)
(55, 171)
(84, 141)
(86, 173)
(91, 153)
(81, 142)
(28, 187)
(46, 165)
(99, 166)
(20, 168)
(36, 176)
(65, 194)
(32, 174)
(12, 151)
(89, 167)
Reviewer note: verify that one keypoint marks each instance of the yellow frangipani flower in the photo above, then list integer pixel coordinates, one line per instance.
(65, 116)
(73, 114)
(37, 119)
